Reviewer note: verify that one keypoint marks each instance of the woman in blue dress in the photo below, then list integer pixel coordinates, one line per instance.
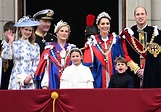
(25, 54)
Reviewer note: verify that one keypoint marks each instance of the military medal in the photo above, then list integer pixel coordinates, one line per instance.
(43, 40)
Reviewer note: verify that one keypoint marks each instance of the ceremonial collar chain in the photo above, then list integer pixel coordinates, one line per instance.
(100, 47)
(57, 61)
(108, 49)
(144, 50)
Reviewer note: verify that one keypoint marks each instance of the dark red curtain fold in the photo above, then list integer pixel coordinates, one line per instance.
(81, 100)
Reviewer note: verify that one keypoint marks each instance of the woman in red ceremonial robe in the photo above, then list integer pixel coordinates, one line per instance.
(101, 50)
(54, 58)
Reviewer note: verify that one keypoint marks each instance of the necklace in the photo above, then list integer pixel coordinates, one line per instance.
(106, 51)
(53, 55)
(57, 61)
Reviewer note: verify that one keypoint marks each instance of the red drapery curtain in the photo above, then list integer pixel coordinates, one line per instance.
(81, 100)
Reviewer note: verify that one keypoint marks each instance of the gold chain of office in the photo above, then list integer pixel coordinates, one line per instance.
(143, 51)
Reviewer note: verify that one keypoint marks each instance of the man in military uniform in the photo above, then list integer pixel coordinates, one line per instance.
(6, 64)
(42, 35)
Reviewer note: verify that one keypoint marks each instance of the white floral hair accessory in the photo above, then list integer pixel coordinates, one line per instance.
(59, 24)
(102, 14)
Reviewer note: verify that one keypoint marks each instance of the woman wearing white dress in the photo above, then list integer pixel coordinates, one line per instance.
(76, 75)
(25, 54)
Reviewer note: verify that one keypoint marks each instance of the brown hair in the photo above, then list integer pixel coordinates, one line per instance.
(103, 17)
(9, 26)
(76, 50)
(140, 7)
(120, 60)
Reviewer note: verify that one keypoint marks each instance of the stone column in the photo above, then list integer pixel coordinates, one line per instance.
(156, 13)
(7, 13)
(131, 5)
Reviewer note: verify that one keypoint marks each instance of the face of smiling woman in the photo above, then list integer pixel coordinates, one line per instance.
(63, 33)
(104, 27)
(26, 32)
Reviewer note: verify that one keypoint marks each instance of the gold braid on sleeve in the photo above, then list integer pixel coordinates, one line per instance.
(133, 66)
